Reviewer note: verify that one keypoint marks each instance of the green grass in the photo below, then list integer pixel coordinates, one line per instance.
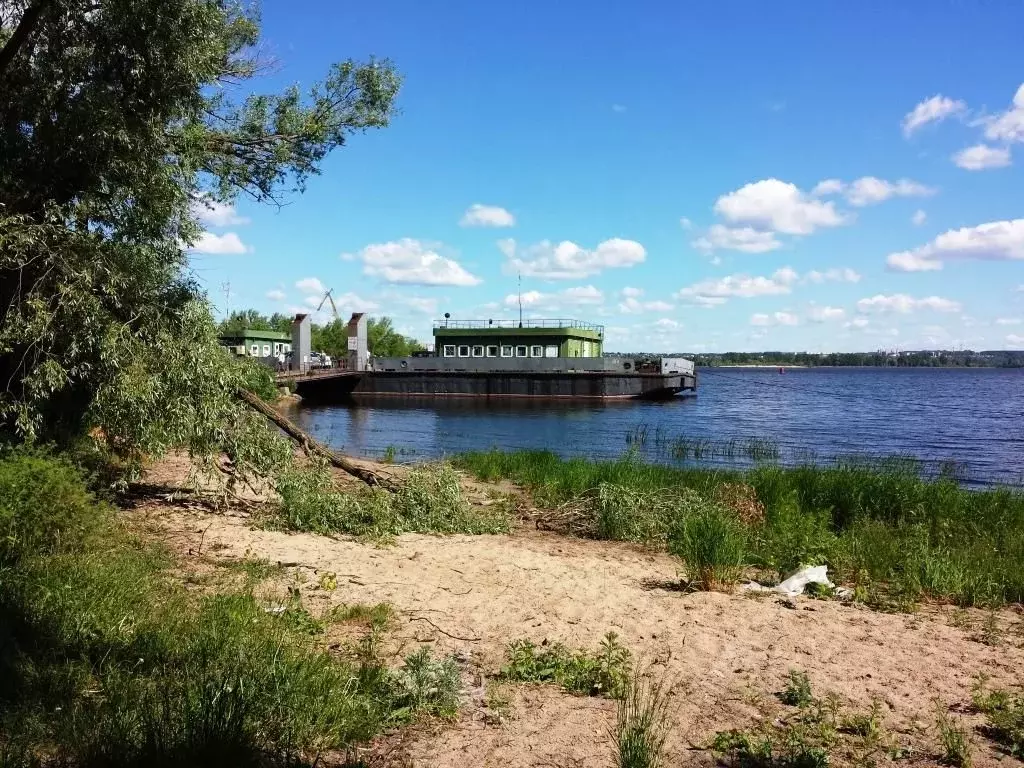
(955, 742)
(604, 672)
(878, 524)
(1004, 712)
(641, 725)
(107, 660)
(797, 692)
(430, 500)
(712, 543)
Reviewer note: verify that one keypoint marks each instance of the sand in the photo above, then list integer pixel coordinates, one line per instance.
(723, 655)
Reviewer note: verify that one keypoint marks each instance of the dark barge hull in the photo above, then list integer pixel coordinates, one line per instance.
(554, 385)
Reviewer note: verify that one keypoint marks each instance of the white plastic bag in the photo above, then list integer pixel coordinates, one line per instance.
(794, 585)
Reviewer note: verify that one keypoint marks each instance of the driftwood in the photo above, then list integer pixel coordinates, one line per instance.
(312, 447)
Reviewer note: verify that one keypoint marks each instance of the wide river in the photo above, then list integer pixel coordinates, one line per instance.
(971, 417)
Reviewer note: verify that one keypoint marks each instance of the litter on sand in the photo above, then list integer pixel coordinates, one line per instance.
(794, 584)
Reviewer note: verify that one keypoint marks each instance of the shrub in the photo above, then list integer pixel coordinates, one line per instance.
(427, 685)
(797, 692)
(712, 543)
(641, 725)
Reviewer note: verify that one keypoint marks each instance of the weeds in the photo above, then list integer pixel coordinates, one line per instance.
(712, 543)
(641, 725)
(898, 536)
(106, 659)
(429, 501)
(956, 744)
(797, 692)
(601, 673)
(1005, 717)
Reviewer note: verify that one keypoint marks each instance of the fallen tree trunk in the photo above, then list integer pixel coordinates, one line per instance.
(312, 447)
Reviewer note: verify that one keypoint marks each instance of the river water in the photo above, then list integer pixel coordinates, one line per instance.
(970, 419)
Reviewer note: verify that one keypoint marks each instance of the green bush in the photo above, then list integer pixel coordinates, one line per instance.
(44, 507)
(628, 514)
(713, 545)
(641, 725)
(1004, 713)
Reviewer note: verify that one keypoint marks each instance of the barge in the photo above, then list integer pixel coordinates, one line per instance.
(542, 359)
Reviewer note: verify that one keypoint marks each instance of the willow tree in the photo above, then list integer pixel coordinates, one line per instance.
(118, 118)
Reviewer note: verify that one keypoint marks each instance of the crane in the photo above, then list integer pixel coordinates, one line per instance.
(327, 297)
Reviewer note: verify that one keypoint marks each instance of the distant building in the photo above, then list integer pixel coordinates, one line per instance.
(252, 343)
(531, 338)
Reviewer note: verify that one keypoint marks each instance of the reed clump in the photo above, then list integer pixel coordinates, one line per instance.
(878, 524)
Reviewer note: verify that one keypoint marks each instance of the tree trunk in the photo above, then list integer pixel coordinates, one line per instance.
(311, 446)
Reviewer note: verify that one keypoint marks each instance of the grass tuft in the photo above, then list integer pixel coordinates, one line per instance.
(956, 744)
(641, 725)
(712, 543)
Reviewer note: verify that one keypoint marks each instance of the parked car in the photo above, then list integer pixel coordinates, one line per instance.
(319, 360)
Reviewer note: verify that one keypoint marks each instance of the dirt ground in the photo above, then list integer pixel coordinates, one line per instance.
(723, 656)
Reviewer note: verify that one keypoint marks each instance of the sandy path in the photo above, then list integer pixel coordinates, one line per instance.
(724, 654)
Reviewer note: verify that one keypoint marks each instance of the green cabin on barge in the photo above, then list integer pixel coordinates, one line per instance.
(527, 338)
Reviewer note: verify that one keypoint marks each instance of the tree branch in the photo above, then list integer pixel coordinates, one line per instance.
(28, 22)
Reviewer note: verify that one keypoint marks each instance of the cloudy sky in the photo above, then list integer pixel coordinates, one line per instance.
(696, 176)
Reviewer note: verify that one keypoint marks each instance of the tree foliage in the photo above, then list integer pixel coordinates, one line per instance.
(119, 119)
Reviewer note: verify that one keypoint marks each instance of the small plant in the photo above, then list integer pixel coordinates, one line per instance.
(498, 701)
(712, 543)
(428, 685)
(991, 631)
(604, 673)
(389, 455)
(641, 725)
(797, 692)
(866, 725)
(1005, 717)
(789, 747)
(956, 744)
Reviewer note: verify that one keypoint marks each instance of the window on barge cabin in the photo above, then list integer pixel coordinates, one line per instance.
(551, 351)
(492, 351)
(254, 350)
(449, 350)
(537, 351)
(521, 352)
(506, 350)
(463, 351)
(478, 351)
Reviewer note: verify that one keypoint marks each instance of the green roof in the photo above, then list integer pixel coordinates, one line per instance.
(250, 334)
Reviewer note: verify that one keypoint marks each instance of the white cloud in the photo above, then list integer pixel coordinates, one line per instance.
(685, 223)
(351, 302)
(631, 305)
(1014, 338)
(828, 187)
(777, 318)
(1008, 125)
(834, 275)
(667, 324)
(903, 304)
(412, 262)
(919, 217)
(712, 292)
(858, 323)
(419, 304)
(745, 239)
(982, 156)
(227, 244)
(709, 302)
(777, 206)
(213, 213)
(870, 190)
(1009, 321)
(933, 110)
(311, 285)
(568, 261)
(995, 240)
(478, 215)
(579, 296)
(824, 314)
(632, 292)
(276, 295)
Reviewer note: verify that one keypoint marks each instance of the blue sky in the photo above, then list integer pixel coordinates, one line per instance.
(696, 176)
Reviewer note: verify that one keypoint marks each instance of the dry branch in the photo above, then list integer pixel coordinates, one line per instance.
(312, 447)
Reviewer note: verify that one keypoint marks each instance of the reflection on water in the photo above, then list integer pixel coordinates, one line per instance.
(974, 417)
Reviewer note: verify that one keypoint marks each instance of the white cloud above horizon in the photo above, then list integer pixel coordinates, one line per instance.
(228, 244)
(412, 262)
(567, 260)
(903, 304)
(982, 157)
(932, 110)
(1008, 126)
(480, 215)
(994, 241)
(213, 213)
